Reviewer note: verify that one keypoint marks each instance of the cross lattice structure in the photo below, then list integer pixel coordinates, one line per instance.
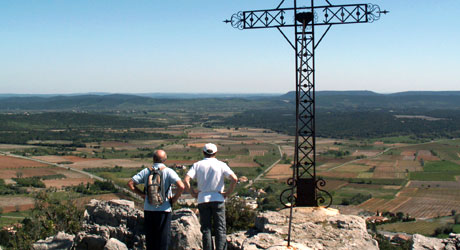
(305, 187)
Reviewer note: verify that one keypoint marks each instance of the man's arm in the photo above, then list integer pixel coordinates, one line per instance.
(132, 186)
(179, 189)
(233, 181)
(189, 188)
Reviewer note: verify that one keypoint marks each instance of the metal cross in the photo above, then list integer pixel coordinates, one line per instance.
(305, 188)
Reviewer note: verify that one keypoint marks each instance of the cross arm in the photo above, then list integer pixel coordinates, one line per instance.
(323, 15)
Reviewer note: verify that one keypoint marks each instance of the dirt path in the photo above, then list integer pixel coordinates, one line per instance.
(268, 169)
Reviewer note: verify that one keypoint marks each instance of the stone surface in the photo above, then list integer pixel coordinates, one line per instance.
(314, 228)
(114, 244)
(116, 225)
(185, 230)
(123, 202)
(119, 220)
(60, 241)
(85, 241)
(112, 219)
(423, 243)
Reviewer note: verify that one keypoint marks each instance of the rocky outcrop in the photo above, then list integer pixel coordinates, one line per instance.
(423, 243)
(107, 221)
(185, 230)
(59, 241)
(111, 219)
(118, 225)
(114, 244)
(312, 228)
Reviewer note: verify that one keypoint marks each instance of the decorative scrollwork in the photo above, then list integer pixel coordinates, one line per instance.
(320, 198)
(373, 12)
(291, 182)
(288, 197)
(237, 20)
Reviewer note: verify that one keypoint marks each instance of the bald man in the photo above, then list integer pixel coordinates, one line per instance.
(157, 219)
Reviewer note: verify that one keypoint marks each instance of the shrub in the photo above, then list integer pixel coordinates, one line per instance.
(239, 216)
(48, 217)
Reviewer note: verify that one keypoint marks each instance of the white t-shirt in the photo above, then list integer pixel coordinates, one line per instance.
(210, 174)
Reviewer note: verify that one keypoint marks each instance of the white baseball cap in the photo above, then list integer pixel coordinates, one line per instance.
(210, 148)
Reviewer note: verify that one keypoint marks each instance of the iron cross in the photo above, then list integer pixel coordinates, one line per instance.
(305, 188)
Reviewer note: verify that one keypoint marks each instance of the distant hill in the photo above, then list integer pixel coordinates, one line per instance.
(122, 102)
(365, 100)
(329, 100)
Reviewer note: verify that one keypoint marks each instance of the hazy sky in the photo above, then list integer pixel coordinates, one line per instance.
(137, 46)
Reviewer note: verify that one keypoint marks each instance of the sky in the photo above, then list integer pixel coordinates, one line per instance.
(182, 46)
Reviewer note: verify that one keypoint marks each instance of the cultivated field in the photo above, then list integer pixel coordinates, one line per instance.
(8, 162)
(416, 179)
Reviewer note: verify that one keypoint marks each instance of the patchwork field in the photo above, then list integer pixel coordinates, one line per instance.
(8, 162)
(16, 203)
(280, 172)
(110, 163)
(376, 169)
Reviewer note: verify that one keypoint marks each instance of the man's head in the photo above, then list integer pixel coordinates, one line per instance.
(159, 156)
(209, 150)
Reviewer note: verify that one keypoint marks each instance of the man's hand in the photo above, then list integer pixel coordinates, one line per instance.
(233, 180)
(132, 186)
(189, 187)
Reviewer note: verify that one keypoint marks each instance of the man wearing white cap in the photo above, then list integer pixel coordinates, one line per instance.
(210, 174)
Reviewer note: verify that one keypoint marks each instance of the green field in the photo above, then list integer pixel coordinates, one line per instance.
(421, 227)
(441, 166)
(437, 171)
(13, 217)
(432, 176)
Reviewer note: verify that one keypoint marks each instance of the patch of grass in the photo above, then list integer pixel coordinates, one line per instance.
(401, 139)
(431, 176)
(64, 195)
(456, 229)
(12, 217)
(366, 175)
(441, 166)
(251, 173)
(397, 182)
(421, 227)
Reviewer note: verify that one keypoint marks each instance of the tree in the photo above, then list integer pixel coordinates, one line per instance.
(239, 216)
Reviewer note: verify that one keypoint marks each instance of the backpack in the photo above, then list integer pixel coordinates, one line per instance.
(155, 187)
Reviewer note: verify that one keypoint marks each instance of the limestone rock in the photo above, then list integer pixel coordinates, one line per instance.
(422, 243)
(112, 219)
(89, 241)
(118, 219)
(315, 228)
(60, 241)
(114, 244)
(185, 230)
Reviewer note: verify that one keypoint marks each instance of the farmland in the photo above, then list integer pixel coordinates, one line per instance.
(65, 153)
(416, 179)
